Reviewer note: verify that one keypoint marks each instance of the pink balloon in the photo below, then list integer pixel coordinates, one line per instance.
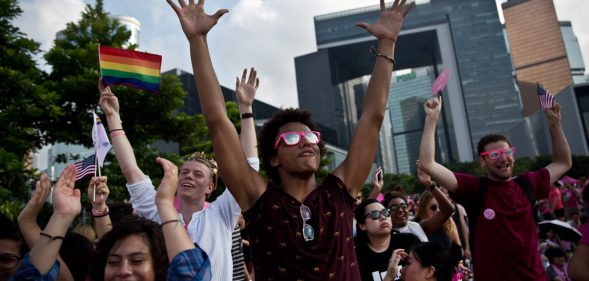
(440, 82)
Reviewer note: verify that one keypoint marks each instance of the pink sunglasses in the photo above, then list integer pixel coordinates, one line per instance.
(293, 138)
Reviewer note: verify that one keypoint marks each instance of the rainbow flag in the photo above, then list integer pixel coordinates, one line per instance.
(134, 69)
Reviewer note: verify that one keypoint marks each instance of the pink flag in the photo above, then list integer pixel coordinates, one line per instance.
(100, 139)
(440, 82)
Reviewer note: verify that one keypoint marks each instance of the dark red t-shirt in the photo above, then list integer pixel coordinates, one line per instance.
(506, 242)
(279, 250)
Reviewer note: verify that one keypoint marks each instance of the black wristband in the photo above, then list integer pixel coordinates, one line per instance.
(115, 130)
(170, 221)
(51, 237)
(247, 115)
(373, 50)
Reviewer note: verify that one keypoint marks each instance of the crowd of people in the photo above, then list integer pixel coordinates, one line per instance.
(289, 226)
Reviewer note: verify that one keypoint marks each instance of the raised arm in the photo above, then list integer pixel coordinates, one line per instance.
(246, 92)
(177, 239)
(377, 183)
(27, 220)
(245, 184)
(66, 206)
(427, 148)
(354, 169)
(123, 150)
(99, 208)
(561, 153)
(434, 223)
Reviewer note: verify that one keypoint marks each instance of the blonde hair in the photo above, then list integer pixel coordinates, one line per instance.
(210, 162)
(87, 231)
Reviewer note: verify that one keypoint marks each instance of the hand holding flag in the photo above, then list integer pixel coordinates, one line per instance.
(546, 98)
(440, 82)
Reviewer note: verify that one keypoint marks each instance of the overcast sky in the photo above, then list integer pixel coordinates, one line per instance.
(266, 34)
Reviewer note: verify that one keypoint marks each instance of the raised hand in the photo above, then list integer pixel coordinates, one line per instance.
(38, 198)
(193, 19)
(378, 180)
(98, 192)
(246, 91)
(396, 257)
(108, 101)
(167, 189)
(388, 25)
(553, 114)
(433, 107)
(66, 199)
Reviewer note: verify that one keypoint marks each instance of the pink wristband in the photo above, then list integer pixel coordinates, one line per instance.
(116, 133)
(98, 214)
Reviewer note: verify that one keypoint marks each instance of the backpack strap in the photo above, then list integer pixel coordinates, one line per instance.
(525, 184)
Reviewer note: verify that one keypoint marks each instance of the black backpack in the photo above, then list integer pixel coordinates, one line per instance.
(475, 207)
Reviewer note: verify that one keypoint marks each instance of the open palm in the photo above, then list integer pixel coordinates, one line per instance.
(246, 89)
(167, 189)
(66, 199)
(388, 25)
(193, 19)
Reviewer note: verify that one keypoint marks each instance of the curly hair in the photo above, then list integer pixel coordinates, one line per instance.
(128, 226)
(491, 138)
(270, 131)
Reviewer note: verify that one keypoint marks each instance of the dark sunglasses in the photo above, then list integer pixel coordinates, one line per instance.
(397, 207)
(293, 138)
(375, 214)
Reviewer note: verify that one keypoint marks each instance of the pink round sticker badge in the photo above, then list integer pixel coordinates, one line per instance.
(489, 214)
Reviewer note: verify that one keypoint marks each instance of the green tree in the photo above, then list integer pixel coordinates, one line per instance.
(147, 117)
(26, 108)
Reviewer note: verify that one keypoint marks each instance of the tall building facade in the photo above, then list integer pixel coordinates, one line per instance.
(464, 37)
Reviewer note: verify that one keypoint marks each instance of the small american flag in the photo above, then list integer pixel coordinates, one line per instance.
(546, 98)
(85, 167)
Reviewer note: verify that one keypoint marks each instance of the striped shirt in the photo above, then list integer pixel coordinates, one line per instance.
(237, 254)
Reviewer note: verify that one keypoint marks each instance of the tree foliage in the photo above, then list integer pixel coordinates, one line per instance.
(26, 107)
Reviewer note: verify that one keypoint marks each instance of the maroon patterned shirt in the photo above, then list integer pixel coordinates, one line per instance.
(275, 229)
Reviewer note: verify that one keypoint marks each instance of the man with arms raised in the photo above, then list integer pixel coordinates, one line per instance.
(297, 228)
(506, 241)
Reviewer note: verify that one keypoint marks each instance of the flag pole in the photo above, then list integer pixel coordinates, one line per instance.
(95, 163)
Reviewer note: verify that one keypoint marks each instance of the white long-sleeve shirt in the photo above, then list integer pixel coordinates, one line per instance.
(211, 228)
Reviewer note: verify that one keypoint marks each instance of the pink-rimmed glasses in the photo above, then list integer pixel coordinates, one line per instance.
(495, 154)
(293, 138)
